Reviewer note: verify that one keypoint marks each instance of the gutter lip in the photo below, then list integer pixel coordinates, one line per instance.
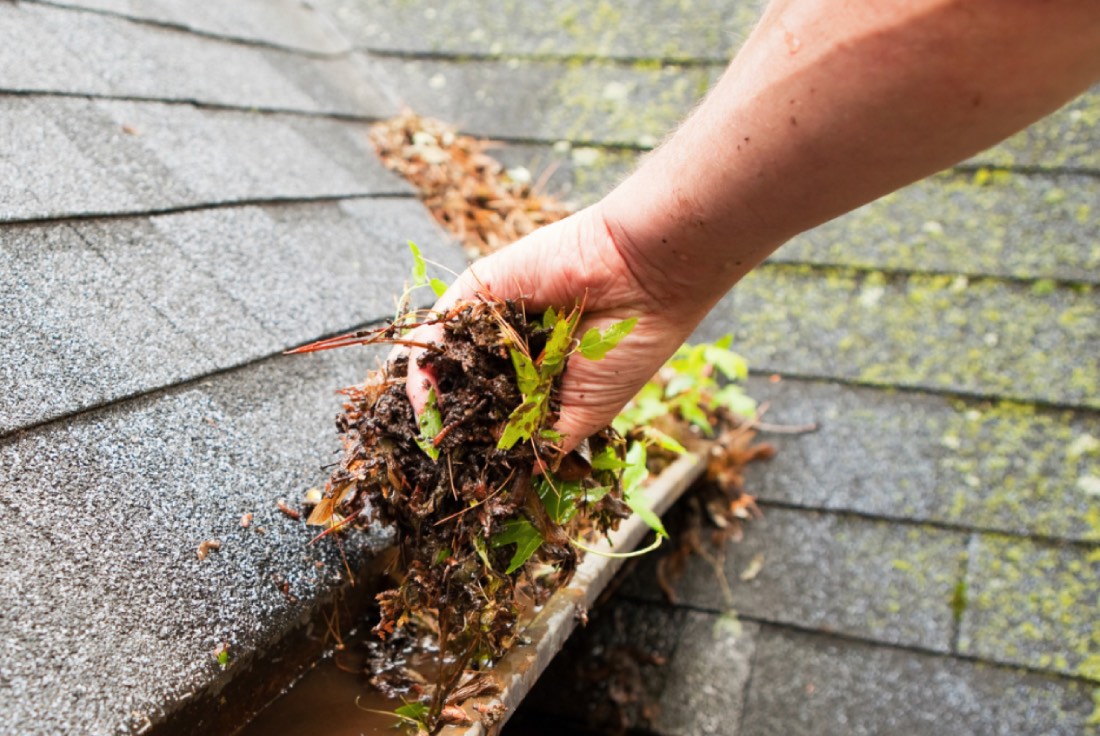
(520, 668)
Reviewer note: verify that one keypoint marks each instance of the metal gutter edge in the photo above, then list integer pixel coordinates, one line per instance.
(548, 631)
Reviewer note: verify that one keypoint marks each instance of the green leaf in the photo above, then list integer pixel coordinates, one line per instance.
(414, 712)
(557, 347)
(607, 459)
(527, 376)
(640, 506)
(663, 440)
(551, 434)
(730, 364)
(549, 319)
(420, 269)
(635, 472)
(679, 383)
(595, 495)
(524, 535)
(691, 412)
(524, 421)
(223, 657)
(633, 491)
(642, 409)
(430, 423)
(439, 286)
(736, 400)
(727, 624)
(482, 552)
(595, 344)
(558, 496)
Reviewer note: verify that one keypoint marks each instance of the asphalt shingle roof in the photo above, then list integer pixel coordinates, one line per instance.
(179, 209)
(189, 191)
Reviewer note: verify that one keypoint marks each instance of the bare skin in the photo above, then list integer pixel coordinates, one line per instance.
(826, 107)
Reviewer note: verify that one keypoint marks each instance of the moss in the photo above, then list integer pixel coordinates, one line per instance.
(1029, 463)
(924, 331)
(1026, 227)
(609, 104)
(1043, 287)
(660, 30)
(1030, 604)
(958, 600)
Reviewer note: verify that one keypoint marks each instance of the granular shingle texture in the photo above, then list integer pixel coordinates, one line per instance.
(110, 56)
(805, 684)
(156, 258)
(123, 157)
(289, 24)
(189, 191)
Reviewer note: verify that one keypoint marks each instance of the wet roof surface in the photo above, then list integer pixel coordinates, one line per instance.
(189, 192)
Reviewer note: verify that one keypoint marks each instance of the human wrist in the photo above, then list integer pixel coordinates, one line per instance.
(669, 251)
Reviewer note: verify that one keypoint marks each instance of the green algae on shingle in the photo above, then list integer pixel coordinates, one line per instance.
(659, 29)
(1022, 226)
(874, 579)
(583, 102)
(981, 336)
(1033, 604)
(927, 563)
(610, 104)
(1014, 467)
(606, 29)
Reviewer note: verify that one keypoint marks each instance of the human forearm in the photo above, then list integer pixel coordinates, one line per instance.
(822, 110)
(825, 109)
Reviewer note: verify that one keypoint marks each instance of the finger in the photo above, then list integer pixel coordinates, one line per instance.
(420, 382)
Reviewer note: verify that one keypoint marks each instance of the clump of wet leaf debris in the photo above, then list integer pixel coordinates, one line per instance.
(486, 507)
(469, 192)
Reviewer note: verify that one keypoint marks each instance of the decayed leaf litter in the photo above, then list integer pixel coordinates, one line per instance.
(467, 191)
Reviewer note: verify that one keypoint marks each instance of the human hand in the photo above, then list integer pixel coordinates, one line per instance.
(574, 260)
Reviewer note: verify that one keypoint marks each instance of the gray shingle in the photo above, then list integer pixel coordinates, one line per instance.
(103, 309)
(620, 654)
(72, 335)
(707, 677)
(173, 156)
(289, 23)
(182, 289)
(55, 65)
(102, 55)
(592, 102)
(1031, 227)
(34, 147)
(105, 609)
(580, 175)
(1033, 604)
(985, 336)
(1001, 466)
(870, 579)
(809, 684)
(711, 29)
(308, 270)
